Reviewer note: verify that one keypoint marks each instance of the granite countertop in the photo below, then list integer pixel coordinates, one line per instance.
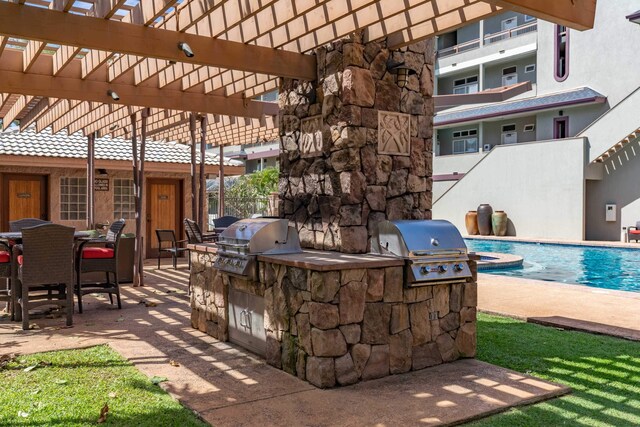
(327, 260)
(203, 247)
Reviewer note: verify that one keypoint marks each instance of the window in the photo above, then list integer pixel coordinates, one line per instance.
(73, 198)
(508, 128)
(509, 76)
(509, 24)
(123, 199)
(530, 68)
(466, 85)
(561, 63)
(465, 141)
(529, 128)
(529, 18)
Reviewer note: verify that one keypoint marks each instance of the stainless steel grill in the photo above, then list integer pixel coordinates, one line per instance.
(241, 243)
(434, 251)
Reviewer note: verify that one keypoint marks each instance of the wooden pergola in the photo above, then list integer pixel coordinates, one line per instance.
(190, 70)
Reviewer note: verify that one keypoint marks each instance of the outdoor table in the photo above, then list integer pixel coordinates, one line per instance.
(17, 235)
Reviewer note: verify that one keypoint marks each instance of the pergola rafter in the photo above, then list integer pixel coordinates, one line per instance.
(61, 59)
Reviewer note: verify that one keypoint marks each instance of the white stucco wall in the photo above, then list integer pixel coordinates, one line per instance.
(460, 163)
(604, 58)
(620, 185)
(540, 185)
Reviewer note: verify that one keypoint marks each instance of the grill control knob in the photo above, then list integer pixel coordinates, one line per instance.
(458, 267)
(424, 270)
(442, 269)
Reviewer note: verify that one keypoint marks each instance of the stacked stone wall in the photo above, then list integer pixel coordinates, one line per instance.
(356, 148)
(343, 326)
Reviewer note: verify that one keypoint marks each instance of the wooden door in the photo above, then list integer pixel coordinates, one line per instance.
(164, 210)
(24, 196)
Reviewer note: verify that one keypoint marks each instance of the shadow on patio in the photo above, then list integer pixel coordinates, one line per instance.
(229, 386)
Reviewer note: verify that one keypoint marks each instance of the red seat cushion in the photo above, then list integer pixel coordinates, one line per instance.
(4, 256)
(634, 231)
(20, 259)
(97, 253)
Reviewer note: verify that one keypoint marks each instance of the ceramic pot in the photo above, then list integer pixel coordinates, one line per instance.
(471, 222)
(484, 219)
(499, 223)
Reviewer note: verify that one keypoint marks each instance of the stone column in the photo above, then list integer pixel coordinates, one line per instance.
(356, 148)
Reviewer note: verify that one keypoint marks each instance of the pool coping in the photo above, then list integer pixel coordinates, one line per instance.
(587, 243)
(501, 261)
(560, 318)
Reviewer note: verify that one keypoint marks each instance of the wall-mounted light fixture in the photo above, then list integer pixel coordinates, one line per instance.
(113, 127)
(101, 172)
(401, 72)
(113, 95)
(186, 49)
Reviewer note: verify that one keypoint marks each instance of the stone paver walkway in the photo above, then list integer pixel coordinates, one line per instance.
(229, 386)
(557, 304)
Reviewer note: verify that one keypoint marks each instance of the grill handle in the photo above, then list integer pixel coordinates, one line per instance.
(438, 253)
(233, 245)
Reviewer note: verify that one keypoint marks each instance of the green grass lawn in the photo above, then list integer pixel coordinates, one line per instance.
(71, 387)
(603, 372)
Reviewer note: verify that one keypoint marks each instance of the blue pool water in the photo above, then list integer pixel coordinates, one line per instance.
(609, 268)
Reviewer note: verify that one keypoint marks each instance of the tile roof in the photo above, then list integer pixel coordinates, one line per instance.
(560, 99)
(45, 144)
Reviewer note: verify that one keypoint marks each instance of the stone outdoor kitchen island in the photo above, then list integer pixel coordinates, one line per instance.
(355, 150)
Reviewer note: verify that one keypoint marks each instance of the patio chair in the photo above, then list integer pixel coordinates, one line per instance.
(195, 235)
(18, 225)
(169, 236)
(633, 233)
(100, 255)
(5, 276)
(43, 270)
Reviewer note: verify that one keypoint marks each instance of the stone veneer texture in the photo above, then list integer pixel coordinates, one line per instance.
(340, 327)
(355, 147)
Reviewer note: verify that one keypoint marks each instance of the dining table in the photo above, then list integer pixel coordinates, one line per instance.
(16, 236)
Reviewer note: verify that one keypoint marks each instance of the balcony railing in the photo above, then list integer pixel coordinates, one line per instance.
(462, 47)
(488, 39)
(509, 34)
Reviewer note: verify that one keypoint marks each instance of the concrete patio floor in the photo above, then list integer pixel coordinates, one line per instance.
(226, 385)
(562, 305)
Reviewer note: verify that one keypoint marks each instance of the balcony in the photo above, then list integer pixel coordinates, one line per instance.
(488, 39)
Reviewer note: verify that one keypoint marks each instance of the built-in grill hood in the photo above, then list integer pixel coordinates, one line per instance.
(434, 251)
(241, 242)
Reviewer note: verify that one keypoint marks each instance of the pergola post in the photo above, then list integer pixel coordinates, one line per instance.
(143, 144)
(91, 138)
(221, 185)
(137, 274)
(194, 184)
(202, 221)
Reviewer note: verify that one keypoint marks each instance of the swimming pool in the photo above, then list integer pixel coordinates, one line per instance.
(609, 268)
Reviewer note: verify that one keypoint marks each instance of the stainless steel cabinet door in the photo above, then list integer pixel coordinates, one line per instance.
(246, 321)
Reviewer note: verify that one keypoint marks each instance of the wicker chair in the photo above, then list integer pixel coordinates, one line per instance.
(5, 275)
(100, 255)
(26, 223)
(169, 236)
(194, 234)
(43, 270)
(633, 233)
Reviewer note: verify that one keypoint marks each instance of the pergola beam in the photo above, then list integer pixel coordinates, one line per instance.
(96, 91)
(112, 36)
(577, 14)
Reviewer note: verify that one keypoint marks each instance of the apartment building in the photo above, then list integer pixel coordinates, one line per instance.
(511, 81)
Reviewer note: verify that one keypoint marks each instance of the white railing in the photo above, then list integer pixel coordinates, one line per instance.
(488, 39)
(509, 34)
(462, 47)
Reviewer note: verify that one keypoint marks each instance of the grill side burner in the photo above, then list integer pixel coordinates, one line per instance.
(434, 251)
(241, 243)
